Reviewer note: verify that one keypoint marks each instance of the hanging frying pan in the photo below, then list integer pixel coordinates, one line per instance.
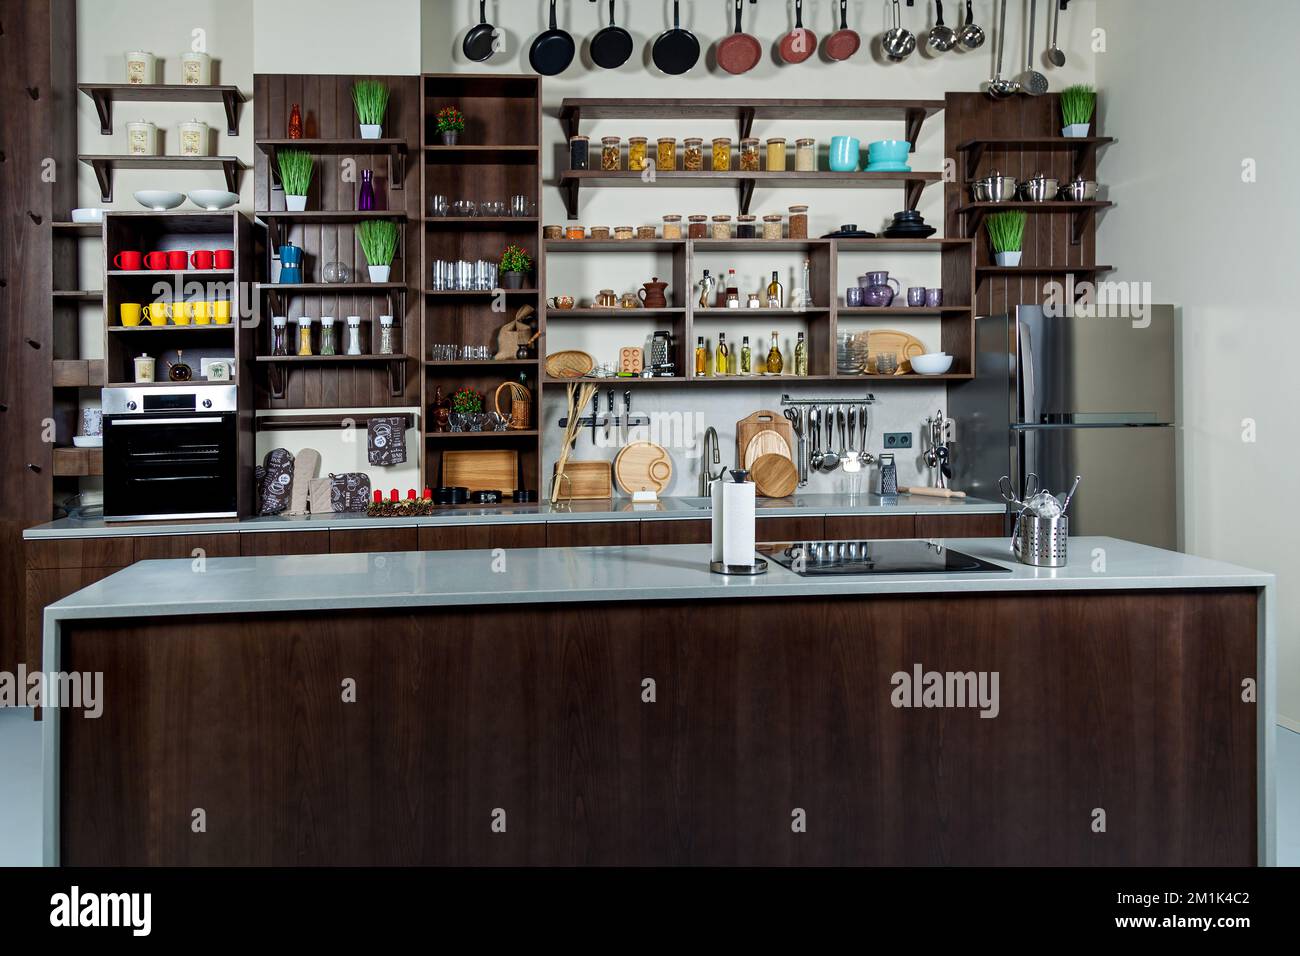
(798, 44)
(843, 43)
(552, 51)
(676, 50)
(611, 47)
(740, 52)
(478, 42)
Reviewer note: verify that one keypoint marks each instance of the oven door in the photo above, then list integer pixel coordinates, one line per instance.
(169, 466)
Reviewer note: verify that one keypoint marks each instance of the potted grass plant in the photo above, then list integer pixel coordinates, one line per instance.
(370, 97)
(515, 264)
(1007, 234)
(295, 175)
(378, 239)
(451, 122)
(1077, 104)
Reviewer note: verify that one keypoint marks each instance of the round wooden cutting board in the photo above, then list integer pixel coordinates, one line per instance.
(765, 443)
(643, 466)
(775, 476)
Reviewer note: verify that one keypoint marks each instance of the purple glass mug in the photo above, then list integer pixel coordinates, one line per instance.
(916, 296)
(853, 296)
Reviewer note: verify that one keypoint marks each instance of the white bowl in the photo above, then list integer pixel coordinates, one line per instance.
(932, 363)
(213, 198)
(159, 200)
(88, 441)
(88, 214)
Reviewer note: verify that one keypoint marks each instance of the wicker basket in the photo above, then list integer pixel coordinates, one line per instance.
(520, 400)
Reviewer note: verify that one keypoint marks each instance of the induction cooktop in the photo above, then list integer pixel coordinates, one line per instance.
(810, 558)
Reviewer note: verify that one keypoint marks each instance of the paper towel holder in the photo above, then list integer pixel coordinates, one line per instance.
(758, 567)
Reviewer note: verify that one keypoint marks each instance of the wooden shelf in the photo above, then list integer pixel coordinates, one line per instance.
(325, 420)
(369, 357)
(1082, 213)
(391, 147)
(458, 293)
(614, 381)
(212, 327)
(476, 154)
(104, 94)
(104, 166)
(167, 273)
(276, 367)
(990, 271)
(78, 295)
(484, 435)
(885, 244)
(473, 363)
(742, 313)
(912, 183)
(614, 245)
(1084, 148)
(902, 312)
(78, 462)
(77, 228)
(481, 222)
(278, 221)
(77, 373)
(594, 313)
(339, 288)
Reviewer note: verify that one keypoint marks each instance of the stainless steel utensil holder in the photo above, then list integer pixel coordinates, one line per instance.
(1041, 542)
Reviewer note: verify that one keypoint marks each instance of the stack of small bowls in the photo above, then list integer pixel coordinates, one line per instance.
(889, 156)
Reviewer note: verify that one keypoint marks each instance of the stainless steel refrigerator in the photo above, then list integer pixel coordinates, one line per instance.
(1066, 396)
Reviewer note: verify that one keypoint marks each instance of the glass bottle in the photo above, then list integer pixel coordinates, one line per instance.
(327, 343)
(295, 122)
(701, 357)
(722, 359)
(279, 335)
(801, 356)
(731, 291)
(304, 334)
(775, 293)
(745, 357)
(354, 335)
(366, 198)
(706, 288)
(386, 335)
(807, 299)
(774, 361)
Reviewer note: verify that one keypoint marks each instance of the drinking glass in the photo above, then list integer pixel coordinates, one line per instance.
(438, 205)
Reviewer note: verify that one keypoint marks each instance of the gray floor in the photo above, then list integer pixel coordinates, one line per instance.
(20, 792)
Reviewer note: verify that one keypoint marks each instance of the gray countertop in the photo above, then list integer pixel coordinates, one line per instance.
(619, 509)
(327, 582)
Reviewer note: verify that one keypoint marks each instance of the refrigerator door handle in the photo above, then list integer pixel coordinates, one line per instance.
(1025, 356)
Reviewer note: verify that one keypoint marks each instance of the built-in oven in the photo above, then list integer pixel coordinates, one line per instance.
(170, 452)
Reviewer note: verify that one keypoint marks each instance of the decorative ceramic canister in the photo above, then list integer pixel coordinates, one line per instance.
(194, 138)
(140, 68)
(141, 139)
(196, 69)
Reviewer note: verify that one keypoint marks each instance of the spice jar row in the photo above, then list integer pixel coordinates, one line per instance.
(327, 343)
(750, 155)
(698, 226)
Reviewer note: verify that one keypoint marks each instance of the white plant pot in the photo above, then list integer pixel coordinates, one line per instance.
(379, 273)
(1076, 130)
(295, 203)
(1008, 258)
(371, 130)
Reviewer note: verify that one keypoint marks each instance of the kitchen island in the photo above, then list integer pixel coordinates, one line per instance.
(625, 706)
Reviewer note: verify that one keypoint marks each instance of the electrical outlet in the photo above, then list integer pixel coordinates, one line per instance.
(898, 440)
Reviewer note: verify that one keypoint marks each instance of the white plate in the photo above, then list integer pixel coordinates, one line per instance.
(88, 214)
(213, 199)
(88, 441)
(159, 200)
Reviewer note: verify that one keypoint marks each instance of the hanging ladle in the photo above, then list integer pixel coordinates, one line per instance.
(998, 87)
(1055, 55)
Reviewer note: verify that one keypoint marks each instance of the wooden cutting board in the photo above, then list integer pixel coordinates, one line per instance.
(761, 421)
(765, 443)
(488, 470)
(586, 481)
(775, 476)
(643, 466)
(891, 340)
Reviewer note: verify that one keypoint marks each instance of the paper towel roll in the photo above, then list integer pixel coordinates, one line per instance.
(733, 522)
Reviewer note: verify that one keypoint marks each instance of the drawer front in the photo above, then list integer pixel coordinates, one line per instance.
(592, 534)
(371, 540)
(959, 526)
(269, 543)
(870, 527)
(151, 547)
(692, 531)
(457, 538)
(59, 553)
(799, 528)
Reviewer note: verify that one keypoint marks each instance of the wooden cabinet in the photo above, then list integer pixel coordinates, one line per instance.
(45, 586)
(797, 528)
(99, 552)
(369, 540)
(184, 545)
(474, 536)
(587, 534)
(870, 527)
(265, 543)
(959, 526)
(689, 531)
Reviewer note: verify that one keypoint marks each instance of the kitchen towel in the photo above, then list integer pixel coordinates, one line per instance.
(305, 466)
(277, 476)
(386, 440)
(350, 491)
(319, 498)
(733, 522)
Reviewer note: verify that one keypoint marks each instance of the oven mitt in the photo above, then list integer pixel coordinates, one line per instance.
(259, 476)
(386, 440)
(318, 496)
(350, 491)
(305, 466)
(276, 480)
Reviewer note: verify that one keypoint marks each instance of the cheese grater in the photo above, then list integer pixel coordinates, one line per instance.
(888, 475)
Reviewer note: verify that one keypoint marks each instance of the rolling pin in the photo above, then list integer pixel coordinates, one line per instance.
(933, 492)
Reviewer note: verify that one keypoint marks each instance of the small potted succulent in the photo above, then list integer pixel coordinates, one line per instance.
(451, 122)
(378, 239)
(515, 264)
(296, 167)
(1007, 234)
(1077, 105)
(370, 97)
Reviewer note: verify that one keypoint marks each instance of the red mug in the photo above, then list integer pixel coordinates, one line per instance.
(128, 260)
(157, 260)
(223, 259)
(177, 259)
(201, 258)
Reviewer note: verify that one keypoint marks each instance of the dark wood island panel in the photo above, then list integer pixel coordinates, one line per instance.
(592, 534)
(1127, 702)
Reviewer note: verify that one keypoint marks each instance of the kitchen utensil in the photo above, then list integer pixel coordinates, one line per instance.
(524, 495)
(888, 476)
(595, 414)
(931, 492)
(651, 294)
(676, 50)
(998, 87)
(971, 35)
(830, 460)
(994, 188)
(478, 41)
(800, 43)
(1055, 55)
(89, 214)
(903, 345)
(932, 363)
(478, 470)
(739, 52)
(877, 291)
(814, 432)
(1065, 502)
(1041, 542)
(643, 466)
(1031, 81)
(941, 38)
(765, 443)
(1078, 190)
(610, 417)
(864, 437)
(485, 497)
(585, 480)
(747, 429)
(845, 154)
(569, 364)
(1040, 188)
(843, 43)
(852, 464)
(611, 47)
(552, 50)
(795, 418)
(898, 42)
(775, 476)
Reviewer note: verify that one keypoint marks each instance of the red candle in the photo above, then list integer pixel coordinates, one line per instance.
(428, 494)
(379, 497)
(392, 495)
(410, 494)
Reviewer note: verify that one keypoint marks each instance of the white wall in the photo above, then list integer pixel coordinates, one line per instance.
(1189, 110)
(337, 36)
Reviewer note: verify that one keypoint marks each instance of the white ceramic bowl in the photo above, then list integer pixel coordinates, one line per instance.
(88, 214)
(213, 198)
(932, 363)
(159, 200)
(88, 441)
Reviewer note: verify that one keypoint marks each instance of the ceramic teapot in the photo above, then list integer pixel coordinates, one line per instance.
(652, 294)
(606, 299)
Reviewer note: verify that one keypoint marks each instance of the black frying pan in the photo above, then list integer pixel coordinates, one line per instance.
(676, 50)
(552, 51)
(611, 47)
(478, 42)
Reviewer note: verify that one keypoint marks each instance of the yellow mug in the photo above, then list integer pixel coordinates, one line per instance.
(182, 312)
(221, 311)
(130, 312)
(202, 312)
(157, 312)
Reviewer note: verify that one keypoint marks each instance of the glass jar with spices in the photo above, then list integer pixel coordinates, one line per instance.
(772, 225)
(579, 147)
(666, 154)
(304, 334)
(636, 147)
(693, 154)
(328, 345)
(697, 227)
(354, 335)
(721, 227)
(722, 154)
(799, 222)
(776, 154)
(749, 154)
(623, 232)
(387, 336)
(599, 232)
(805, 155)
(611, 153)
(646, 232)
(745, 228)
(279, 335)
(672, 226)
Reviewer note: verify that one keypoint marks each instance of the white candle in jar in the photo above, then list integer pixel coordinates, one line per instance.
(194, 138)
(196, 69)
(140, 68)
(141, 139)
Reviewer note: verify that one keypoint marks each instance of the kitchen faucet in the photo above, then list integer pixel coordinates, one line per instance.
(706, 477)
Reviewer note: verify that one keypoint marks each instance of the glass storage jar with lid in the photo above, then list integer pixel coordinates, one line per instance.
(578, 150)
(772, 225)
(805, 154)
(722, 154)
(387, 335)
(721, 227)
(693, 154)
(666, 153)
(304, 334)
(697, 226)
(799, 221)
(672, 226)
(745, 226)
(611, 153)
(749, 154)
(636, 147)
(354, 335)
(776, 154)
(328, 345)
